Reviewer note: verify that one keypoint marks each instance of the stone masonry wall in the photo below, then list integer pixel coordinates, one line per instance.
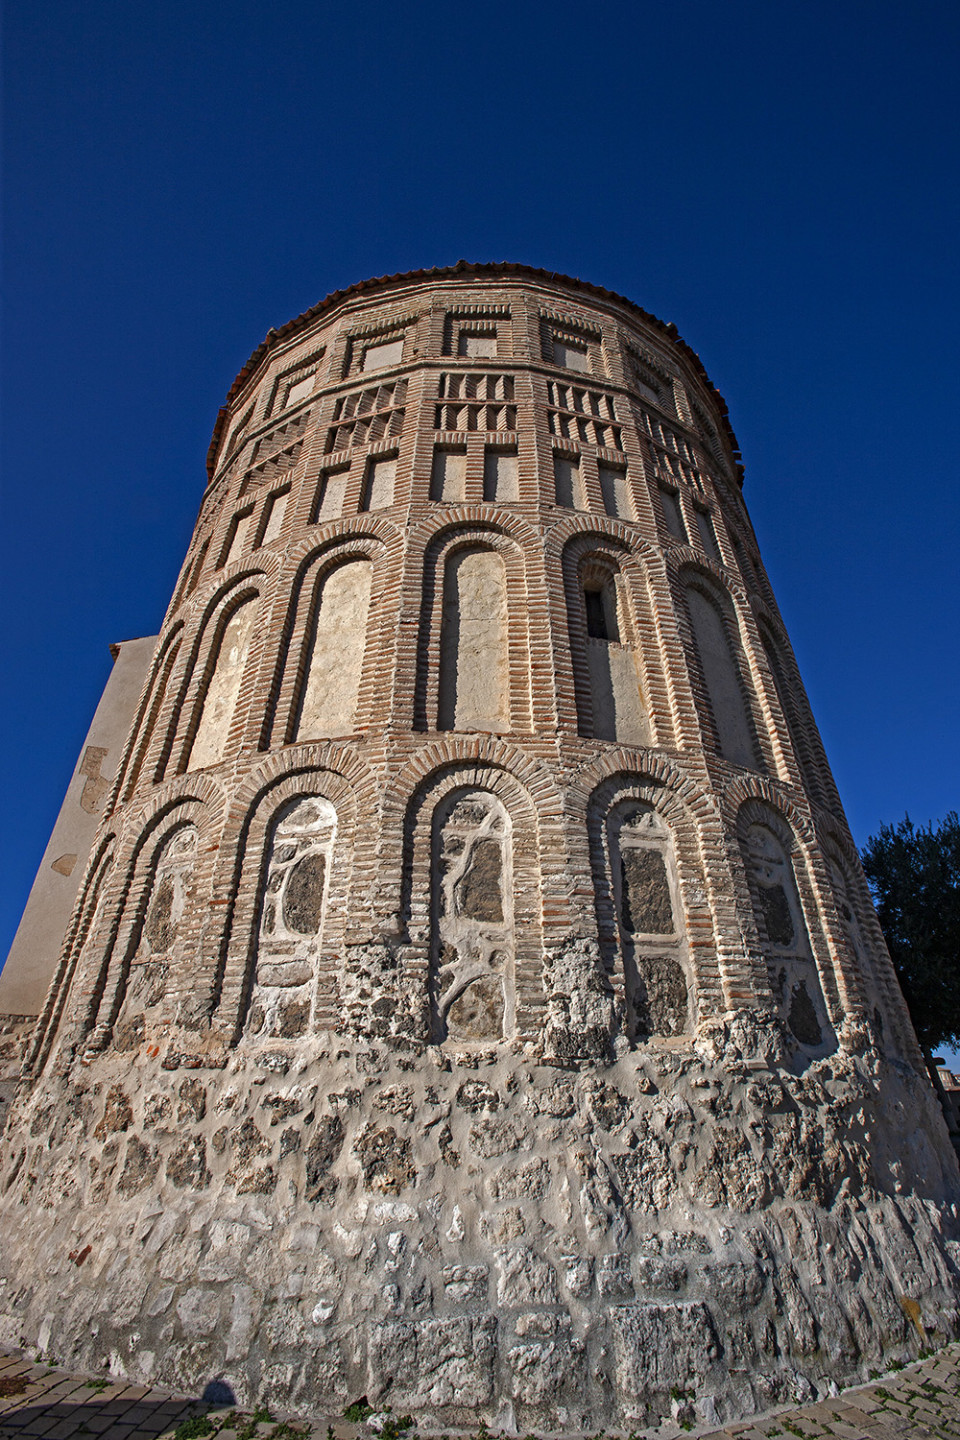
(485, 1237)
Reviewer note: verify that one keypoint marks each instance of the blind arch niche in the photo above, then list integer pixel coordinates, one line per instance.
(336, 646)
(223, 687)
(474, 685)
(713, 628)
(613, 707)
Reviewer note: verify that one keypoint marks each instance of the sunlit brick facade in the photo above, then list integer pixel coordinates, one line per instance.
(474, 781)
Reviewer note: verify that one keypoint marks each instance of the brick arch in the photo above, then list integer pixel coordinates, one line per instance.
(136, 817)
(838, 848)
(723, 977)
(785, 687)
(448, 540)
(136, 857)
(743, 788)
(315, 561)
(683, 560)
(416, 879)
(743, 644)
(536, 781)
(241, 873)
(764, 804)
(629, 561)
(478, 517)
(766, 616)
(95, 877)
(367, 526)
(136, 753)
(205, 629)
(261, 567)
(569, 527)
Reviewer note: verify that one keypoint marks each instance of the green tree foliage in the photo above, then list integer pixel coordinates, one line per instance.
(914, 873)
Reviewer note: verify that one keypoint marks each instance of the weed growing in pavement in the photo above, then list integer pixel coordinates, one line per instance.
(194, 1427)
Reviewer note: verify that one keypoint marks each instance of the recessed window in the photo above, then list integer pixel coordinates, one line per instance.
(477, 344)
(449, 479)
(569, 483)
(610, 703)
(500, 478)
(571, 356)
(274, 512)
(330, 495)
(378, 357)
(601, 608)
(299, 390)
(378, 492)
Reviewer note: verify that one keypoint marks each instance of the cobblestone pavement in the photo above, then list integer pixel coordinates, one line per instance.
(922, 1400)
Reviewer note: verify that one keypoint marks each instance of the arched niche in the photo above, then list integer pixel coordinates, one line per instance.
(474, 682)
(613, 706)
(222, 691)
(716, 640)
(769, 853)
(162, 947)
(335, 649)
(289, 933)
(650, 928)
(473, 945)
(146, 732)
(140, 963)
(871, 979)
(64, 1012)
(791, 706)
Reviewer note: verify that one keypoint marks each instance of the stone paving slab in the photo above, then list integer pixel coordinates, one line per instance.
(920, 1402)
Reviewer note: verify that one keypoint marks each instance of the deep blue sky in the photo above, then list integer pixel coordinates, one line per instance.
(780, 180)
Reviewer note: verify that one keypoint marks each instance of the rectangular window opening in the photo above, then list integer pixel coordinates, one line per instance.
(615, 491)
(448, 481)
(601, 612)
(477, 344)
(378, 491)
(501, 481)
(273, 516)
(330, 495)
(568, 482)
(378, 357)
(596, 615)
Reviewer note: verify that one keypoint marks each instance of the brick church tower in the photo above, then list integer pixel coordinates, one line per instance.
(472, 997)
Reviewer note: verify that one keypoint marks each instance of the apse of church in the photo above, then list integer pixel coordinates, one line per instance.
(472, 998)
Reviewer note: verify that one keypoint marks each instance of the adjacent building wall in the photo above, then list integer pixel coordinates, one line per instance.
(36, 945)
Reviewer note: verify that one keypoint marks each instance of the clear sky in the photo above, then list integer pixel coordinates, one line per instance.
(780, 180)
